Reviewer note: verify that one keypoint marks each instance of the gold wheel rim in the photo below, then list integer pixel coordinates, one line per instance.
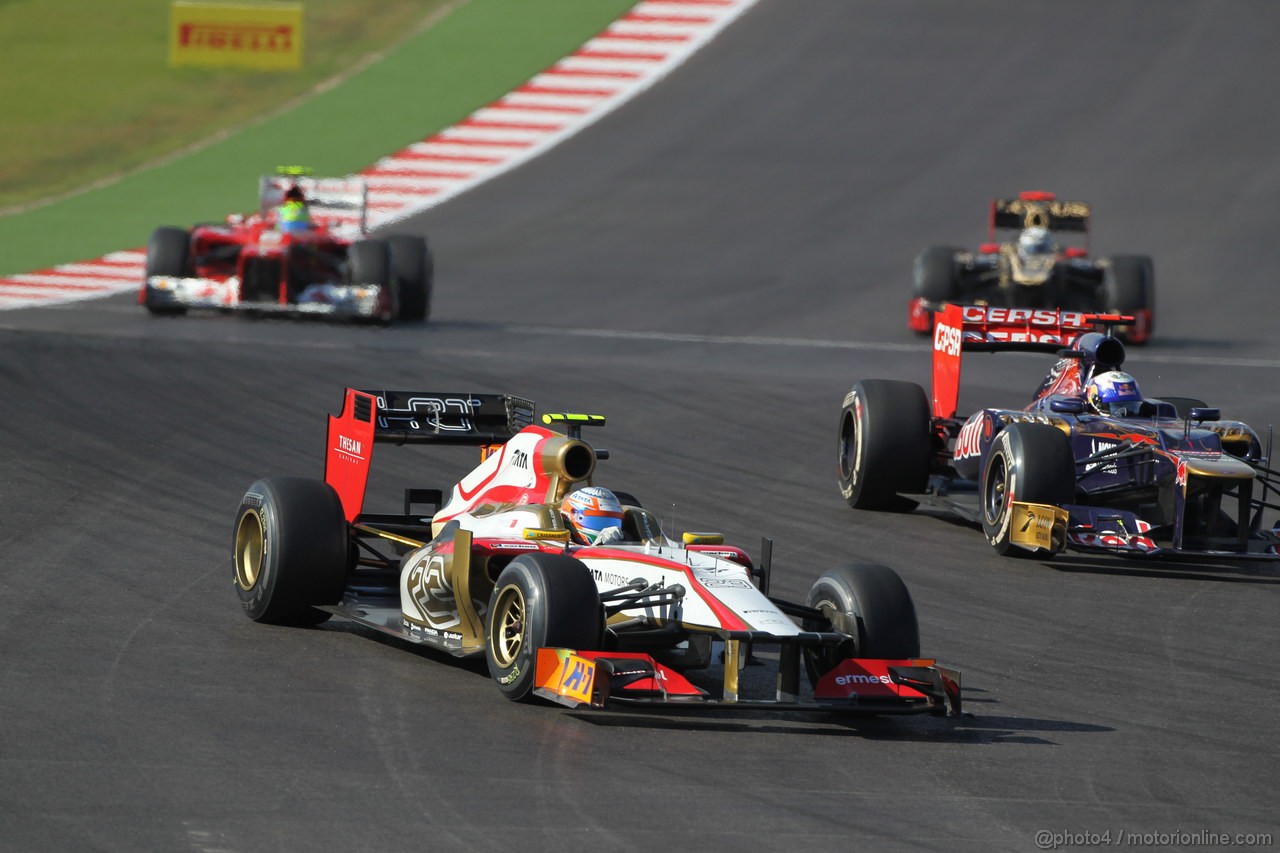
(250, 545)
(508, 626)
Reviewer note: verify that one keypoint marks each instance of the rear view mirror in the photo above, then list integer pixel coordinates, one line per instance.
(1067, 406)
(1204, 413)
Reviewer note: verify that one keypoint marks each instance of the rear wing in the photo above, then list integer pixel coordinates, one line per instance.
(411, 417)
(1039, 210)
(982, 328)
(341, 202)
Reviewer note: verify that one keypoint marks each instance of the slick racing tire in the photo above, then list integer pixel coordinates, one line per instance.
(878, 615)
(412, 271)
(1033, 463)
(884, 444)
(936, 277)
(539, 600)
(168, 251)
(290, 551)
(1129, 287)
(368, 262)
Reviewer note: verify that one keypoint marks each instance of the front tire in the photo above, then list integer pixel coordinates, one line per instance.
(1032, 463)
(289, 551)
(538, 601)
(880, 617)
(368, 262)
(412, 273)
(884, 444)
(168, 254)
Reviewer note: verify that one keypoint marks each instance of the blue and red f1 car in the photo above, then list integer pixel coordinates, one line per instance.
(1166, 477)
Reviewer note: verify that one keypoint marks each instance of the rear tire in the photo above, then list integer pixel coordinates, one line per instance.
(538, 601)
(936, 281)
(936, 278)
(1129, 287)
(168, 253)
(290, 551)
(1035, 463)
(882, 611)
(412, 271)
(884, 444)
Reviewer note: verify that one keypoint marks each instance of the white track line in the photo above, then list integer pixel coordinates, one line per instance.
(640, 48)
(863, 346)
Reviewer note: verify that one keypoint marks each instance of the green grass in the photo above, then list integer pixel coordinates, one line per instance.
(478, 52)
(90, 95)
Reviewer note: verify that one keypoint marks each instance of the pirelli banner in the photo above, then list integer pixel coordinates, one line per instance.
(262, 36)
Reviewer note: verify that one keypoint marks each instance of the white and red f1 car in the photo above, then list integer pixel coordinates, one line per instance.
(329, 268)
(495, 572)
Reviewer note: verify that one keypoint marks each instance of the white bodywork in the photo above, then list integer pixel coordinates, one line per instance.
(354, 300)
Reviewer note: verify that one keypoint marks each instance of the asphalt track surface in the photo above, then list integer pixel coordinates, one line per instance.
(710, 267)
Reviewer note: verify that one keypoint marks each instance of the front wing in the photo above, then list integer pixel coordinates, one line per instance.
(355, 301)
(587, 679)
(1042, 528)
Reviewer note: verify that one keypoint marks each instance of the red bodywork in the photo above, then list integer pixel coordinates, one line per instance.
(960, 327)
(271, 265)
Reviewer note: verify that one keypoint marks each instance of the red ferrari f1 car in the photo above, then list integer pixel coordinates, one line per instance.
(1090, 464)
(306, 252)
(495, 571)
(1035, 270)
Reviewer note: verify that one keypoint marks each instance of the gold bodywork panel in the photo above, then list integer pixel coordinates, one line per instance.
(1222, 467)
(1033, 526)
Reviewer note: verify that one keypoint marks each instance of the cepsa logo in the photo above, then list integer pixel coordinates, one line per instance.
(946, 339)
(1028, 316)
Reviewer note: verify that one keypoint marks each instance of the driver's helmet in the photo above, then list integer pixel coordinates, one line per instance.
(292, 214)
(592, 511)
(1114, 393)
(1035, 241)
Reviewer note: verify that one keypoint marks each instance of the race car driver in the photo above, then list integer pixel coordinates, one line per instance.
(1035, 242)
(292, 214)
(593, 516)
(1114, 393)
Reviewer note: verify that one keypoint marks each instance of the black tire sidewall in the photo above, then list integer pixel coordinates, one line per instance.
(1129, 286)
(168, 254)
(877, 597)
(168, 251)
(883, 444)
(935, 276)
(1038, 466)
(412, 271)
(562, 610)
(306, 551)
(368, 262)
